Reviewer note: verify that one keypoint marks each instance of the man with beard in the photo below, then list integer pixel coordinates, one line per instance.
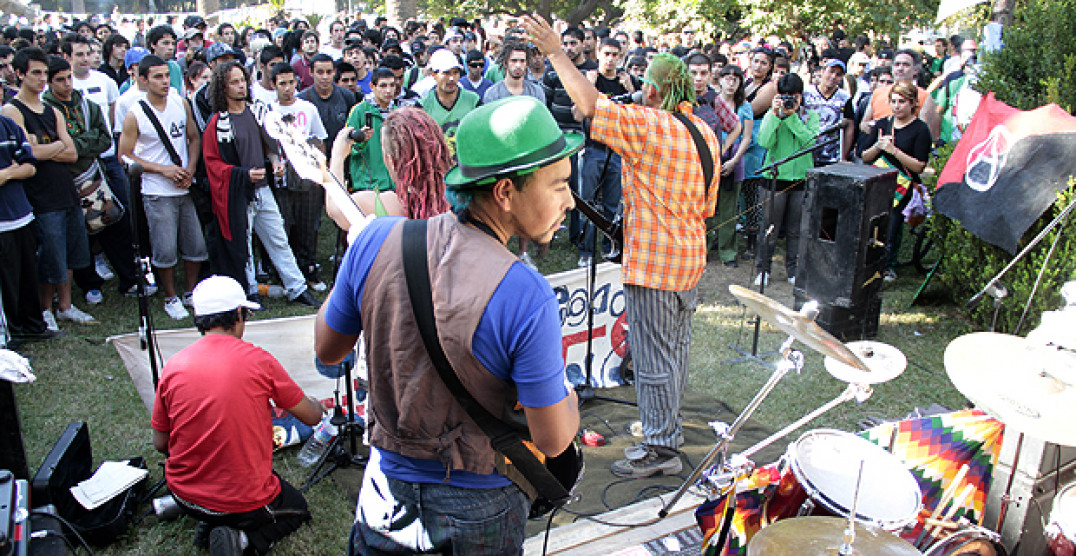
(514, 58)
(235, 148)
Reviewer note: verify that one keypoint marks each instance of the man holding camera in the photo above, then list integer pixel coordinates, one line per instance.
(367, 170)
(786, 128)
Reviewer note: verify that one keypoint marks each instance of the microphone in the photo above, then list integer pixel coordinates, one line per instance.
(997, 290)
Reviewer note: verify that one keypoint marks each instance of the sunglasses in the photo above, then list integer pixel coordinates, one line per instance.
(476, 64)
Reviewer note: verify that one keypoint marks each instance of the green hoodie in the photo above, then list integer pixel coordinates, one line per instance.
(782, 137)
(86, 126)
(368, 169)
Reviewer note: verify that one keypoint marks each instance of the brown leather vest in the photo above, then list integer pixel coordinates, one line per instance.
(414, 414)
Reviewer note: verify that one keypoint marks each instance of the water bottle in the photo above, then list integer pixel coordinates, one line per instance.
(271, 290)
(318, 443)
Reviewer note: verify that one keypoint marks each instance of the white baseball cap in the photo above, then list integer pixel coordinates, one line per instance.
(218, 294)
(444, 60)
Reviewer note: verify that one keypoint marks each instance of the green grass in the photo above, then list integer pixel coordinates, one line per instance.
(81, 378)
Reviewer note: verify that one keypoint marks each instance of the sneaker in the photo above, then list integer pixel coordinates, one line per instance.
(50, 321)
(313, 279)
(133, 291)
(792, 280)
(93, 297)
(225, 541)
(307, 299)
(584, 261)
(174, 307)
(763, 278)
(102, 269)
(648, 461)
(73, 314)
(188, 300)
(889, 276)
(732, 264)
(44, 335)
(527, 260)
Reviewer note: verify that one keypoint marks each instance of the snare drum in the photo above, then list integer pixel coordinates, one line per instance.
(971, 541)
(1062, 528)
(820, 479)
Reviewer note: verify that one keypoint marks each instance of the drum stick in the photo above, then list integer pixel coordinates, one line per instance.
(958, 503)
(941, 523)
(947, 494)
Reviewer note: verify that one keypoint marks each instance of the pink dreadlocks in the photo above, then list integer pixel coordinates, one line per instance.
(415, 147)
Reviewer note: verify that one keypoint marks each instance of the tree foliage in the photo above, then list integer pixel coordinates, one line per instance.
(811, 17)
(572, 11)
(1037, 64)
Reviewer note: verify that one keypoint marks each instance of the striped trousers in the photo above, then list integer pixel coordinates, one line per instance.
(660, 333)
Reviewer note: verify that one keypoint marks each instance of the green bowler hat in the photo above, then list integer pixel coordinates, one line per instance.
(509, 135)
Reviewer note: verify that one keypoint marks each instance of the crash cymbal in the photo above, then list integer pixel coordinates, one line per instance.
(1029, 387)
(795, 324)
(885, 361)
(818, 536)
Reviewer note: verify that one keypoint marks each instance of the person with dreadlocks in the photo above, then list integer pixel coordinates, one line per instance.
(666, 199)
(417, 158)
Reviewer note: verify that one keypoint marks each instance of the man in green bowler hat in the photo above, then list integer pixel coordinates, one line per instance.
(666, 196)
(431, 468)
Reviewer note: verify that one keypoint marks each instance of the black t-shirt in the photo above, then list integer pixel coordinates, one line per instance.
(557, 99)
(912, 139)
(248, 141)
(52, 187)
(333, 110)
(616, 92)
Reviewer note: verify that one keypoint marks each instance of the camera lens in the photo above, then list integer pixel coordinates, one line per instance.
(789, 102)
(356, 135)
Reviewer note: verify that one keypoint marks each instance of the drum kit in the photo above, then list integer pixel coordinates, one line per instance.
(817, 507)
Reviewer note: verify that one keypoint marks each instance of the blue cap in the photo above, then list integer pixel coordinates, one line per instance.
(218, 49)
(134, 55)
(836, 63)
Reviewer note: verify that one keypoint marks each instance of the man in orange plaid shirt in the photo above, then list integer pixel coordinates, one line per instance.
(665, 204)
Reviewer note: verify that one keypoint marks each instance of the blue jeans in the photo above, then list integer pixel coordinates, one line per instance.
(263, 217)
(450, 520)
(609, 202)
(62, 244)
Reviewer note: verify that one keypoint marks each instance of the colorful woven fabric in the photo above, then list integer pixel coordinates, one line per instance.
(933, 448)
(664, 204)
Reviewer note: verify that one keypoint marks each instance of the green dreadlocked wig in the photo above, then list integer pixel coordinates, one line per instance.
(669, 74)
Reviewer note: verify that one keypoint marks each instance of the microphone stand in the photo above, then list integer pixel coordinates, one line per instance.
(771, 228)
(147, 338)
(992, 287)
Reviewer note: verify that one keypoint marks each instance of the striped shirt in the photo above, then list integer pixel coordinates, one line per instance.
(664, 200)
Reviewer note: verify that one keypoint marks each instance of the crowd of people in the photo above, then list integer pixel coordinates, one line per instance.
(484, 134)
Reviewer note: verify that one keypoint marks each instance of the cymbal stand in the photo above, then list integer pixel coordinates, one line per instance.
(791, 360)
(1006, 498)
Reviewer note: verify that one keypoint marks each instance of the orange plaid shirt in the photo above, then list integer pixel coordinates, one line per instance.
(664, 199)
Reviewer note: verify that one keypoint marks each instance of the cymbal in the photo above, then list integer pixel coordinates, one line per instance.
(885, 361)
(795, 324)
(1029, 387)
(818, 536)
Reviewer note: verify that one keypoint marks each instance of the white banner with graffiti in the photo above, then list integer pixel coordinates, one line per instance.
(609, 342)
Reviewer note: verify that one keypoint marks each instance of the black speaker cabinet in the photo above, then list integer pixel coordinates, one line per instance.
(842, 239)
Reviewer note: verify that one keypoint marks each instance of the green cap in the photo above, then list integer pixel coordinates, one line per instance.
(510, 135)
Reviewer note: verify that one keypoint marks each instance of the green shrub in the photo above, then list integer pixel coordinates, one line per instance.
(1037, 64)
(968, 263)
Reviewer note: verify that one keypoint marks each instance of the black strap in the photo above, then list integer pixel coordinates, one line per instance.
(705, 156)
(503, 438)
(163, 135)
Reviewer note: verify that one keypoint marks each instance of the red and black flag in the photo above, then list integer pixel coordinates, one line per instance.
(1007, 169)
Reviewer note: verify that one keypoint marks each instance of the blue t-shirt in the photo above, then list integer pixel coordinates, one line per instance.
(15, 209)
(518, 339)
(364, 83)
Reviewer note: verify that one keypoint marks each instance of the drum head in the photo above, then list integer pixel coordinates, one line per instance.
(827, 462)
(1064, 511)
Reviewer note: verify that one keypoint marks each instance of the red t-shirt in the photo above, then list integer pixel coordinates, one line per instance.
(213, 400)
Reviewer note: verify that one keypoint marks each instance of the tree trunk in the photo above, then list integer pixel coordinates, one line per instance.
(398, 11)
(1001, 11)
(207, 7)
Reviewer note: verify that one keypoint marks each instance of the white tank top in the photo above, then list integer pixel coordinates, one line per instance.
(150, 147)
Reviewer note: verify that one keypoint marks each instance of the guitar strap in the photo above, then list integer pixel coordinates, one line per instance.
(705, 156)
(503, 438)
